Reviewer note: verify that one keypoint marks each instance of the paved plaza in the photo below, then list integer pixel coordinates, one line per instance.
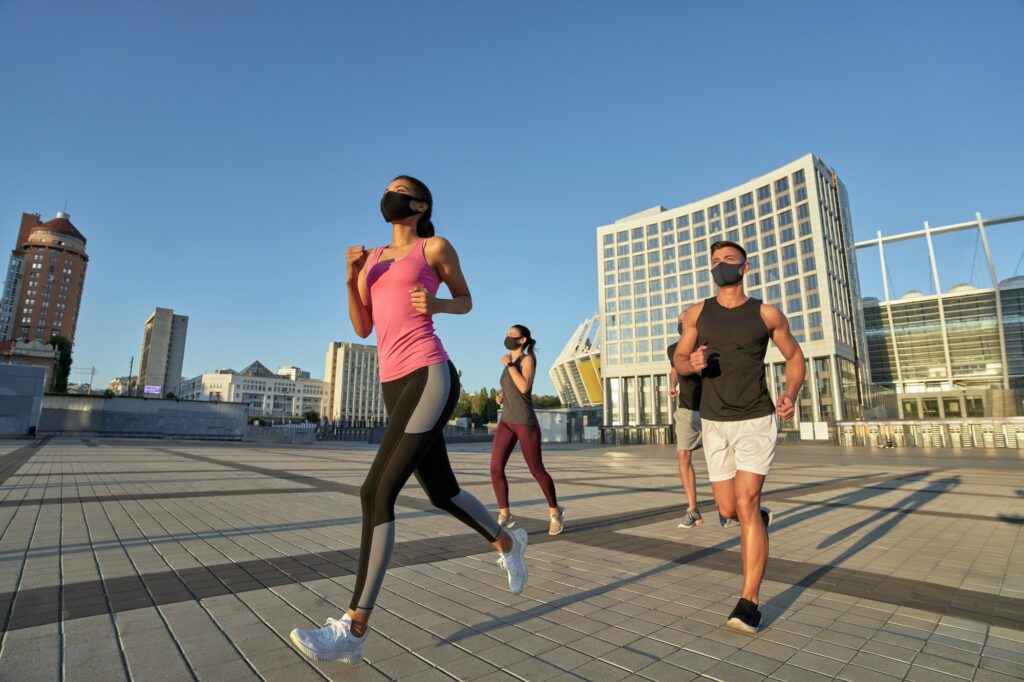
(180, 560)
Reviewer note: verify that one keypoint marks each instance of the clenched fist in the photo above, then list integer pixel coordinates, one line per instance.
(785, 408)
(355, 259)
(699, 359)
(423, 301)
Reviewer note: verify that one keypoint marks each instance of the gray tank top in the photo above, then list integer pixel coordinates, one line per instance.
(518, 408)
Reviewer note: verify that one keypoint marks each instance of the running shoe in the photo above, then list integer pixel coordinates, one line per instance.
(334, 641)
(514, 563)
(725, 523)
(557, 525)
(506, 522)
(745, 618)
(691, 519)
(766, 516)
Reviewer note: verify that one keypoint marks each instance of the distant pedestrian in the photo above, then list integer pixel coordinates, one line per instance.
(519, 424)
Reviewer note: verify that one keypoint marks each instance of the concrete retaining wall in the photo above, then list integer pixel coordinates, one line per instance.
(21, 398)
(84, 415)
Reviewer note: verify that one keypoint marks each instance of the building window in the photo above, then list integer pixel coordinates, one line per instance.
(785, 218)
(805, 228)
(666, 225)
(782, 202)
(764, 193)
(765, 208)
(683, 221)
(798, 177)
(768, 241)
(714, 211)
(698, 216)
(781, 185)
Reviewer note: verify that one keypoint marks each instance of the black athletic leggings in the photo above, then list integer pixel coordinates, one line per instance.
(418, 404)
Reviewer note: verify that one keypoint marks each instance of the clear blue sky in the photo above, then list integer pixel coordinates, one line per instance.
(220, 156)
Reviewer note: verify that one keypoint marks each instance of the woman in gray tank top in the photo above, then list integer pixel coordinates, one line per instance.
(519, 424)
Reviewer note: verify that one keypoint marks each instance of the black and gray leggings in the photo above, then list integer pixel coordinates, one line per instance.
(418, 404)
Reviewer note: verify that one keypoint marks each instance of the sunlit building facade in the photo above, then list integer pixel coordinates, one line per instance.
(795, 225)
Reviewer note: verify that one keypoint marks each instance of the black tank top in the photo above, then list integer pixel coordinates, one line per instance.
(733, 384)
(688, 388)
(518, 407)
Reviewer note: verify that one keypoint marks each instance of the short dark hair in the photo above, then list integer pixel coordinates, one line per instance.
(722, 244)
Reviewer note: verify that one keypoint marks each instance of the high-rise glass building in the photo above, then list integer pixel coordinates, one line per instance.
(795, 225)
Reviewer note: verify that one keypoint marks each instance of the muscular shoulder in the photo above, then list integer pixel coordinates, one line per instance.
(692, 313)
(772, 316)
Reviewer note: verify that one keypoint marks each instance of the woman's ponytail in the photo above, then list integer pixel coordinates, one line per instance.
(530, 341)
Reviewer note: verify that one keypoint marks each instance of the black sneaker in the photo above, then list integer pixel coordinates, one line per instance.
(766, 516)
(744, 618)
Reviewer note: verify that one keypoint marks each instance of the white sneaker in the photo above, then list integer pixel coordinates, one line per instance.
(334, 641)
(557, 524)
(514, 563)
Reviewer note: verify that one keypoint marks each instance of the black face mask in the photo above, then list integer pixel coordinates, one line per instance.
(511, 342)
(395, 206)
(727, 274)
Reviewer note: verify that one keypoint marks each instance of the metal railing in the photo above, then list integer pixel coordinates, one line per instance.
(969, 433)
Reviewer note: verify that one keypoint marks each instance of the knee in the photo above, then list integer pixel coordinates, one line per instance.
(685, 457)
(497, 469)
(439, 501)
(367, 493)
(748, 505)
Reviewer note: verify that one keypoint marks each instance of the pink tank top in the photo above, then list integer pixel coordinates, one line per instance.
(406, 339)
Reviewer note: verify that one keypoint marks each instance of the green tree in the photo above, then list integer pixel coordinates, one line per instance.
(170, 395)
(63, 346)
(464, 408)
(546, 402)
(311, 416)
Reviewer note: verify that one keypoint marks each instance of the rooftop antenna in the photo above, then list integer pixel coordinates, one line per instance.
(65, 206)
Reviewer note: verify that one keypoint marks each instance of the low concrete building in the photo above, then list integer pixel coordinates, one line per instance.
(264, 393)
(34, 353)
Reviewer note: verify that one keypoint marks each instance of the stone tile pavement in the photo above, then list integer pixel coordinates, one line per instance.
(177, 561)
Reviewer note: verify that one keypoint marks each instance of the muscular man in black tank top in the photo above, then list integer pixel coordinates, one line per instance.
(724, 340)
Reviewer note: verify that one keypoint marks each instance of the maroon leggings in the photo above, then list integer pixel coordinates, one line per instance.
(528, 436)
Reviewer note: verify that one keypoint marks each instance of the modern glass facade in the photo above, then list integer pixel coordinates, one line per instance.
(908, 343)
(795, 224)
(955, 354)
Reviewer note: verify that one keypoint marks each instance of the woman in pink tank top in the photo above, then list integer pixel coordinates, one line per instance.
(393, 289)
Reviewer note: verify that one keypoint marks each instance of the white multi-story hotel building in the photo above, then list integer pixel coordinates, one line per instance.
(353, 396)
(266, 394)
(795, 225)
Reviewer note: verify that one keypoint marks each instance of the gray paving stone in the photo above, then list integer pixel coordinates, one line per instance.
(633, 599)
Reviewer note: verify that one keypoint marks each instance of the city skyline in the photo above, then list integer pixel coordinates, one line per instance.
(166, 163)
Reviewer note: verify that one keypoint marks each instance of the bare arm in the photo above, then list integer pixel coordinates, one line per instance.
(778, 329)
(442, 257)
(524, 379)
(687, 359)
(358, 294)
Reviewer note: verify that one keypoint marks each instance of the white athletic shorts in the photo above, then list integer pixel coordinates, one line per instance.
(747, 445)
